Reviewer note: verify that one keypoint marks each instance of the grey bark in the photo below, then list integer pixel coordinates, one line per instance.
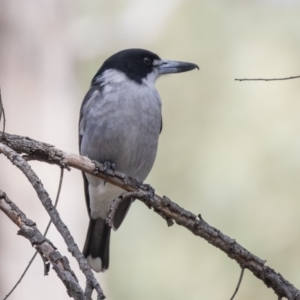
(44, 246)
(22, 164)
(169, 210)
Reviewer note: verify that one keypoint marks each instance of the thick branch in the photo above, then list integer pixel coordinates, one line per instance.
(44, 246)
(22, 164)
(163, 206)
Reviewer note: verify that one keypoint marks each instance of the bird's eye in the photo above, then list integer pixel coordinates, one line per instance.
(147, 61)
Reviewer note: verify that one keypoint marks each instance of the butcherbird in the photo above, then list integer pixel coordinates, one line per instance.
(120, 122)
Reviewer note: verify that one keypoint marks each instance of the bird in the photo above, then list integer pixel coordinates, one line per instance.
(119, 125)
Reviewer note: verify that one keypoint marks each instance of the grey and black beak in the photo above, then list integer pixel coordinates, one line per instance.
(170, 66)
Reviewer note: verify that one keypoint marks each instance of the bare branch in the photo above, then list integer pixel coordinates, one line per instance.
(162, 205)
(266, 79)
(117, 202)
(45, 233)
(29, 230)
(22, 164)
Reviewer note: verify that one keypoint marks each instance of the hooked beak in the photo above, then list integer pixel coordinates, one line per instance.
(169, 66)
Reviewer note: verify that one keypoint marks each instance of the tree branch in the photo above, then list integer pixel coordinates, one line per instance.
(45, 233)
(162, 205)
(22, 164)
(266, 79)
(2, 112)
(44, 246)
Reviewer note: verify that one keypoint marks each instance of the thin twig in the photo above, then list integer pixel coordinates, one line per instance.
(266, 79)
(2, 113)
(239, 283)
(23, 274)
(57, 196)
(45, 233)
(114, 206)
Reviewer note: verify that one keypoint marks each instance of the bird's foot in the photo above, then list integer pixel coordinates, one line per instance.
(150, 192)
(107, 168)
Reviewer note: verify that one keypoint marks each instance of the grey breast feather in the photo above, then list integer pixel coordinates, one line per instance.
(122, 128)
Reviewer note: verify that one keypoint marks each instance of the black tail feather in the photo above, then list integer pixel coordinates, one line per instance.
(97, 244)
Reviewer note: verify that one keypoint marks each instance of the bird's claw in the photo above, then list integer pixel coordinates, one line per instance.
(150, 191)
(108, 168)
(125, 180)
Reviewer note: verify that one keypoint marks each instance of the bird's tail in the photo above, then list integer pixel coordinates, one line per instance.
(96, 248)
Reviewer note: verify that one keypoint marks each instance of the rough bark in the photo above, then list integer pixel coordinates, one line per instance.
(169, 210)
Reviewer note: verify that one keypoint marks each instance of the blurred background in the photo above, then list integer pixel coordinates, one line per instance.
(229, 150)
